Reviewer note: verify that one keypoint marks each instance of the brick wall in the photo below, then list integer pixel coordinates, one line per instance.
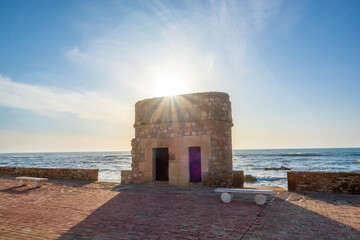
(59, 173)
(337, 182)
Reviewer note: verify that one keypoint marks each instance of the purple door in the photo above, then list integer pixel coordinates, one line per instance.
(195, 164)
(161, 160)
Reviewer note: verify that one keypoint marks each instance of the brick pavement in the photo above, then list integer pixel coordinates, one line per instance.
(308, 216)
(79, 210)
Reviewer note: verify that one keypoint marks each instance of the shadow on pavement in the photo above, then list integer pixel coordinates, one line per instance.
(330, 198)
(148, 215)
(169, 213)
(17, 190)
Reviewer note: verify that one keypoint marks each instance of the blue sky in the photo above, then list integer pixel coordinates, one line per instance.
(71, 71)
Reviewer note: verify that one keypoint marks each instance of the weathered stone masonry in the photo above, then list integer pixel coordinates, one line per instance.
(192, 120)
(58, 173)
(337, 182)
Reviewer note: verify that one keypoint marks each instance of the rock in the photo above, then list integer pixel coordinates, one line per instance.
(250, 178)
(275, 168)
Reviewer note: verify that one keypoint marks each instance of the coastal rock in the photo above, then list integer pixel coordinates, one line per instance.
(275, 168)
(250, 178)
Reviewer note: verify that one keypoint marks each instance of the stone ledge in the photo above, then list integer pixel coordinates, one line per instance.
(58, 173)
(184, 108)
(172, 122)
(336, 182)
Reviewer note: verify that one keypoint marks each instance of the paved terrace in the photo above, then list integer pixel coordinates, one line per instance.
(83, 210)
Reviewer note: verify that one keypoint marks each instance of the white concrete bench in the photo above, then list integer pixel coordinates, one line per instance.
(35, 182)
(227, 196)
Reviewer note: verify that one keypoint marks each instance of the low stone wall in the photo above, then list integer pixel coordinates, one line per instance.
(336, 182)
(235, 179)
(59, 173)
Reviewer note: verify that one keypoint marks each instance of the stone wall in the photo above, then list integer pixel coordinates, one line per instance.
(238, 179)
(126, 176)
(59, 173)
(337, 182)
(177, 123)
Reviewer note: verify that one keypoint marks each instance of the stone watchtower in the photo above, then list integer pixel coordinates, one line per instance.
(182, 140)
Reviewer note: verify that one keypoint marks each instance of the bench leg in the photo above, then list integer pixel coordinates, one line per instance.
(21, 182)
(260, 199)
(226, 197)
(35, 183)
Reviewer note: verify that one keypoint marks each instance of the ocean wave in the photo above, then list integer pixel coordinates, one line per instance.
(296, 154)
(283, 155)
(270, 179)
(300, 155)
(276, 168)
(110, 156)
(25, 157)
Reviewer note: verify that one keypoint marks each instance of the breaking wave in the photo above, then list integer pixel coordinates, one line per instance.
(270, 179)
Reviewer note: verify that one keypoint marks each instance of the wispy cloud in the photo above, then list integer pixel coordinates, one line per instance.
(198, 42)
(53, 102)
(198, 45)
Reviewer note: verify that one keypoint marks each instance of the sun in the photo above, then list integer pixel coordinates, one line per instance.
(168, 84)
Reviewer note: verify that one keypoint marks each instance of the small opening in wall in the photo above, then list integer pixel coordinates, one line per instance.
(195, 164)
(161, 164)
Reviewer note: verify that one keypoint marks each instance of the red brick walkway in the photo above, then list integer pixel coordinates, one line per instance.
(75, 210)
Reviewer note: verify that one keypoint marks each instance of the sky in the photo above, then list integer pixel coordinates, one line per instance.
(72, 71)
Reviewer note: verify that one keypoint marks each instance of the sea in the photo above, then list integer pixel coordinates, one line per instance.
(252, 162)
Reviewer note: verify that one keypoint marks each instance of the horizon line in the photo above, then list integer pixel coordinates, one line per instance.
(98, 151)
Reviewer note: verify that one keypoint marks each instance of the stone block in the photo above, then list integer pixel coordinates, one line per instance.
(126, 176)
(238, 179)
(291, 180)
(148, 177)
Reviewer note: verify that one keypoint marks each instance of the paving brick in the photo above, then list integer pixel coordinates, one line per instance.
(82, 210)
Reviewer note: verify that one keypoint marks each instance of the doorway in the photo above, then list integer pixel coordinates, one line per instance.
(161, 162)
(195, 164)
